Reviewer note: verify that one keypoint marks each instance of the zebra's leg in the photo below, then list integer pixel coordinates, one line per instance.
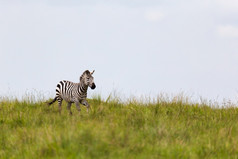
(60, 103)
(69, 108)
(85, 103)
(78, 107)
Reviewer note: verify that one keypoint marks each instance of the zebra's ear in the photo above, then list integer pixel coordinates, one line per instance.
(92, 72)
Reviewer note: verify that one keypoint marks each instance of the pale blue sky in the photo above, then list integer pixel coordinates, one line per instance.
(136, 47)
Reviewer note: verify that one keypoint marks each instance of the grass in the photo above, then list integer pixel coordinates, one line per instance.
(161, 129)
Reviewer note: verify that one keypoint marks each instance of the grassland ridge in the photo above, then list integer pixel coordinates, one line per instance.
(174, 128)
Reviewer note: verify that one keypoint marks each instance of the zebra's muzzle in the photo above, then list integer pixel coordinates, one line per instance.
(93, 86)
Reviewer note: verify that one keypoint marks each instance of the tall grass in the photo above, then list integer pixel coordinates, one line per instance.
(163, 128)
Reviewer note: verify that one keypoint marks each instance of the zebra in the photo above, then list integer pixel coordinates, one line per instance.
(74, 92)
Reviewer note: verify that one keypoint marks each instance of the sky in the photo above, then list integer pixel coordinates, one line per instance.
(136, 47)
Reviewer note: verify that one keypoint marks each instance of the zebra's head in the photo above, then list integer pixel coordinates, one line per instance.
(88, 79)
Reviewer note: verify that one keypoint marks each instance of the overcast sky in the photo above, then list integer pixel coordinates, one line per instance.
(136, 47)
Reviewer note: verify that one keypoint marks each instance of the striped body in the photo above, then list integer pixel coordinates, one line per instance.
(71, 92)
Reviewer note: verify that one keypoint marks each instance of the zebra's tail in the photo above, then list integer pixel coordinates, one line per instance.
(49, 103)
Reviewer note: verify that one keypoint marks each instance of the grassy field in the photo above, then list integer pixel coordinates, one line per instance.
(162, 129)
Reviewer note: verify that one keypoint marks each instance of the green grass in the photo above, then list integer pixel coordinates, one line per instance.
(163, 129)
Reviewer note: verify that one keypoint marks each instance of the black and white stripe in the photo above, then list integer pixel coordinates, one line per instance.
(74, 92)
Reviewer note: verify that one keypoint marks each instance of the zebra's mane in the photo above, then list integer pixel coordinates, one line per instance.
(85, 73)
